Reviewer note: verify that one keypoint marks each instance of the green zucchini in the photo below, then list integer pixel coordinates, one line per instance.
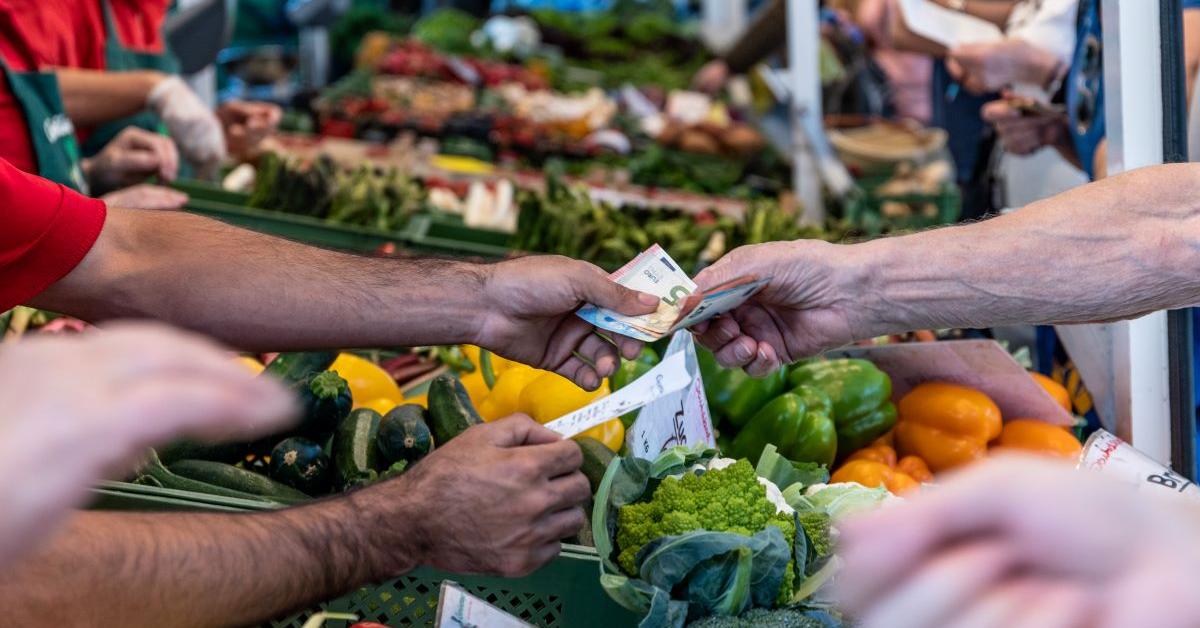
(184, 449)
(294, 367)
(302, 465)
(355, 456)
(153, 473)
(324, 401)
(404, 435)
(450, 409)
(241, 480)
(596, 458)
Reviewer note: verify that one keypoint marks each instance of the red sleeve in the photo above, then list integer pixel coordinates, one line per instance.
(48, 229)
(140, 23)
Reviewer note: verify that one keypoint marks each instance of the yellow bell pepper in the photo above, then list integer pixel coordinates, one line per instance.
(420, 400)
(382, 405)
(945, 424)
(1039, 437)
(611, 433)
(551, 395)
(252, 365)
(367, 381)
(505, 396)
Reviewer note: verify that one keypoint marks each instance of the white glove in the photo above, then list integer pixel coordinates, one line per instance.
(190, 122)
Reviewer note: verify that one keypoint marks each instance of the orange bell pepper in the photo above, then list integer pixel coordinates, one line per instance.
(888, 439)
(915, 467)
(1040, 437)
(874, 474)
(878, 453)
(945, 424)
(1056, 390)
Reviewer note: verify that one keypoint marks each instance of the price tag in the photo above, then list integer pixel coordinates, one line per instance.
(459, 609)
(669, 376)
(679, 418)
(1108, 454)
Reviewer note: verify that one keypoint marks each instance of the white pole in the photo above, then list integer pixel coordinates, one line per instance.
(803, 44)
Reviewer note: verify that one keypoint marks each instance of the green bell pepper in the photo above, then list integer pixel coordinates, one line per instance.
(798, 423)
(629, 371)
(735, 397)
(861, 397)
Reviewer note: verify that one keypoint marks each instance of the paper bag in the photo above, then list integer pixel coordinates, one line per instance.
(679, 418)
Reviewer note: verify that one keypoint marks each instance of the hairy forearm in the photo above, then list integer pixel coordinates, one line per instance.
(188, 569)
(92, 97)
(1114, 249)
(258, 292)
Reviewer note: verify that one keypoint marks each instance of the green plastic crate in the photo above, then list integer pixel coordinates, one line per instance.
(205, 191)
(565, 593)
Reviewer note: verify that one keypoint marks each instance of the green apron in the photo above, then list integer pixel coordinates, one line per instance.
(50, 130)
(118, 58)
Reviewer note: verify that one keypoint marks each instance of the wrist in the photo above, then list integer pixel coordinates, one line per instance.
(884, 291)
(390, 541)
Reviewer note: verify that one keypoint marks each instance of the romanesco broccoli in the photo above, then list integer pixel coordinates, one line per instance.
(720, 500)
(761, 618)
(817, 527)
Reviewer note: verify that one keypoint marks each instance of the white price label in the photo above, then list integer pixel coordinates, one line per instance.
(459, 609)
(669, 376)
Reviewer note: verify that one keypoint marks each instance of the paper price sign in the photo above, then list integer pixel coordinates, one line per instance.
(671, 375)
(679, 418)
(459, 609)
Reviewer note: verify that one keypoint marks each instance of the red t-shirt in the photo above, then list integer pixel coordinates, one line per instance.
(139, 26)
(33, 35)
(48, 229)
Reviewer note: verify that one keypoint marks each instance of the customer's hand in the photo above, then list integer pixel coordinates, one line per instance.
(1023, 133)
(803, 311)
(146, 196)
(985, 68)
(131, 157)
(531, 303)
(247, 124)
(74, 409)
(1024, 542)
(498, 499)
(191, 123)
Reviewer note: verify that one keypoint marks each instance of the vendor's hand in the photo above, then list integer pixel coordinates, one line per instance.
(530, 316)
(131, 157)
(146, 196)
(711, 78)
(986, 68)
(803, 311)
(497, 499)
(247, 124)
(1024, 542)
(1023, 133)
(191, 123)
(77, 408)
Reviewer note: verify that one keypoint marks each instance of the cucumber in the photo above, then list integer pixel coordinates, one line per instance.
(355, 456)
(301, 464)
(241, 480)
(294, 367)
(404, 435)
(153, 473)
(324, 401)
(596, 458)
(184, 449)
(450, 409)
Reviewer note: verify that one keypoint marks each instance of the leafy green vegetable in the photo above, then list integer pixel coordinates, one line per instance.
(847, 498)
(447, 30)
(766, 618)
(784, 473)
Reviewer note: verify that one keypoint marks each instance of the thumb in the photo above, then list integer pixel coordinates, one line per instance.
(595, 287)
(517, 430)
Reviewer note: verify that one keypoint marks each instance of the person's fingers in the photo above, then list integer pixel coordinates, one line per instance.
(567, 491)
(593, 286)
(561, 524)
(552, 460)
(162, 407)
(629, 348)
(601, 353)
(999, 110)
(737, 353)
(136, 164)
(542, 556)
(721, 331)
(1026, 601)
(515, 431)
(939, 588)
(954, 67)
(758, 323)
(765, 362)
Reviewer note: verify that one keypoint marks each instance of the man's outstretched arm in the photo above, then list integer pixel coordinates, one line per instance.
(260, 292)
(1109, 250)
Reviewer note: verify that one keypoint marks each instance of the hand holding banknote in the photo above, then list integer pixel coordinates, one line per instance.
(801, 311)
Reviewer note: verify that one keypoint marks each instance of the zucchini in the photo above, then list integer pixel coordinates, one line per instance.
(450, 409)
(355, 456)
(184, 449)
(301, 464)
(241, 480)
(153, 473)
(404, 435)
(596, 458)
(294, 367)
(324, 401)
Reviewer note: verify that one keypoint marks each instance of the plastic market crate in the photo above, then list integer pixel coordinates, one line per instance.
(205, 191)
(441, 234)
(565, 593)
